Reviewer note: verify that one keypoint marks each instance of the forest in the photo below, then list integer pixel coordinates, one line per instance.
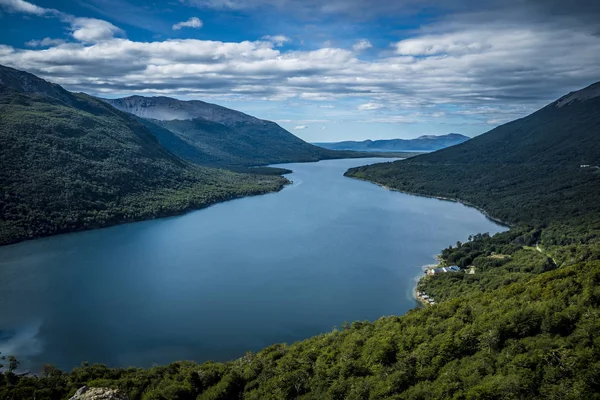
(78, 163)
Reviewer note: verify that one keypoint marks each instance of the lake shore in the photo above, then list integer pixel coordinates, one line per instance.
(163, 213)
(454, 200)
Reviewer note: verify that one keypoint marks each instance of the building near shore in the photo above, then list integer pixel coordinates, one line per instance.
(442, 270)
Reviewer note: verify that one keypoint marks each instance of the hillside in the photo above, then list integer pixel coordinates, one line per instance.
(538, 169)
(422, 143)
(71, 162)
(221, 136)
(565, 132)
(525, 325)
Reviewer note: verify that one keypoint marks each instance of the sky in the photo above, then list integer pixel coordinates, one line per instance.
(325, 70)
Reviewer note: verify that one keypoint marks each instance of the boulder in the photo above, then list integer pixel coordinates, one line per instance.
(87, 393)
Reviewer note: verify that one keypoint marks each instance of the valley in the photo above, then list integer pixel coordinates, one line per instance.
(299, 280)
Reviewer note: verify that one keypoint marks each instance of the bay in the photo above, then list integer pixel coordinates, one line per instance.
(237, 276)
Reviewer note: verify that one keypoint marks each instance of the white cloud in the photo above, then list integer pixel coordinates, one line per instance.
(20, 6)
(193, 22)
(485, 71)
(300, 127)
(362, 45)
(45, 42)
(369, 106)
(92, 30)
(278, 40)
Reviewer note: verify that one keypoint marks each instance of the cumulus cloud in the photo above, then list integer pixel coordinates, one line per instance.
(278, 40)
(300, 127)
(484, 68)
(362, 45)
(45, 42)
(193, 22)
(86, 30)
(92, 30)
(20, 6)
(369, 106)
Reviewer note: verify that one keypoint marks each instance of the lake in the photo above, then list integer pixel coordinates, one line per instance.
(237, 276)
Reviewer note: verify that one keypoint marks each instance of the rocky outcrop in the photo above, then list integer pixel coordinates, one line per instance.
(87, 393)
(167, 109)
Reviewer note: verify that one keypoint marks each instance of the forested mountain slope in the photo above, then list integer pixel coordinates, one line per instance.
(539, 169)
(71, 162)
(223, 136)
(565, 132)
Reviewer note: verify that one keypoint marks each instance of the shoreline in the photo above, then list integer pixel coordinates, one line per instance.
(415, 292)
(422, 302)
(454, 200)
(164, 214)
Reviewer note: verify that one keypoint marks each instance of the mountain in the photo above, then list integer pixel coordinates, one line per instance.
(565, 132)
(422, 143)
(70, 162)
(526, 171)
(209, 134)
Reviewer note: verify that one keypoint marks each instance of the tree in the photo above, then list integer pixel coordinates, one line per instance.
(13, 364)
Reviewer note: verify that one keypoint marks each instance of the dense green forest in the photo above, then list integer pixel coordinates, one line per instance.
(525, 325)
(71, 162)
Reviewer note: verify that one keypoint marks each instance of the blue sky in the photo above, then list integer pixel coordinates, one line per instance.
(325, 70)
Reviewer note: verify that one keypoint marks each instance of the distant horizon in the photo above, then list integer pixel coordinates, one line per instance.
(375, 140)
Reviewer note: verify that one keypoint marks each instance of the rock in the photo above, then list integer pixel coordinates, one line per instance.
(86, 393)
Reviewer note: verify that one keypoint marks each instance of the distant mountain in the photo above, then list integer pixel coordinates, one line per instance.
(70, 162)
(209, 134)
(422, 143)
(540, 168)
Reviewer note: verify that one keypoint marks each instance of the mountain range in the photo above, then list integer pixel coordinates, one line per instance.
(209, 134)
(422, 143)
(70, 161)
(523, 323)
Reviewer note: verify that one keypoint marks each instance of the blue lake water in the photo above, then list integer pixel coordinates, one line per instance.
(237, 276)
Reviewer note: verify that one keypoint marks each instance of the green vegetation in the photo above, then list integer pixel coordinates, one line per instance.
(261, 170)
(526, 325)
(71, 162)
